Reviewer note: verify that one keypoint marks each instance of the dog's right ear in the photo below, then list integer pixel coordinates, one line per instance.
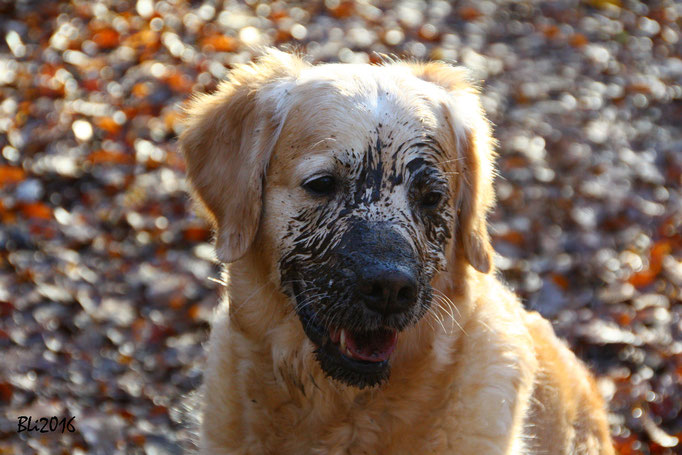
(228, 141)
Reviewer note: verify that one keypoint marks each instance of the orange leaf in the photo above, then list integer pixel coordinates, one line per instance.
(642, 279)
(513, 237)
(578, 40)
(623, 319)
(138, 439)
(196, 234)
(194, 311)
(7, 216)
(108, 124)
(278, 15)
(148, 39)
(469, 13)
(141, 89)
(219, 43)
(37, 210)
(106, 38)
(345, 10)
(10, 175)
(177, 301)
(91, 85)
(658, 252)
(171, 119)
(178, 82)
(551, 31)
(282, 36)
(109, 157)
(513, 162)
(560, 281)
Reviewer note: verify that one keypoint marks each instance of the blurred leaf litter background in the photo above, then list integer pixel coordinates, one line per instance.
(104, 290)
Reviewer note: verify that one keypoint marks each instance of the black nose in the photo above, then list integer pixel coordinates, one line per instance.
(387, 290)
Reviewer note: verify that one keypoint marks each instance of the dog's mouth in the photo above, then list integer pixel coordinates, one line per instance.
(370, 346)
(356, 357)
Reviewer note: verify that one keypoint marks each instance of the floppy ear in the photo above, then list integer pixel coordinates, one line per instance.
(227, 144)
(474, 155)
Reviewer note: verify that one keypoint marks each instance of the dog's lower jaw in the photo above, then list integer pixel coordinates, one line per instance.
(373, 374)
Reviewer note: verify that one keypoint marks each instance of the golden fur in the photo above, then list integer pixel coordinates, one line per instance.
(476, 375)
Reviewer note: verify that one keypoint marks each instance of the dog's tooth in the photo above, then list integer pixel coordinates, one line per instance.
(342, 341)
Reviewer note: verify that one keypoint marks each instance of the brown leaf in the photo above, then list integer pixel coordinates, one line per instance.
(561, 281)
(469, 13)
(196, 234)
(605, 4)
(6, 390)
(639, 87)
(513, 237)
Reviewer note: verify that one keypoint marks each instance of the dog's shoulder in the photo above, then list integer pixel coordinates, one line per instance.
(567, 410)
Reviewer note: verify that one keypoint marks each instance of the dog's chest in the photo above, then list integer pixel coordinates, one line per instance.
(368, 425)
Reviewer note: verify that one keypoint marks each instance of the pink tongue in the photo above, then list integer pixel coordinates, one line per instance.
(375, 346)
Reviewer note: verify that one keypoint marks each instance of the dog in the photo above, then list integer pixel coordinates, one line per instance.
(362, 313)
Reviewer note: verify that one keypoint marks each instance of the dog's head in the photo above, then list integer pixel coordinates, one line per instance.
(365, 182)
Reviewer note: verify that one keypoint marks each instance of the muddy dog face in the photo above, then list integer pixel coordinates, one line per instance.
(365, 182)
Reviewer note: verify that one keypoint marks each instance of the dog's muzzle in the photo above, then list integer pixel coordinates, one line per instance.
(373, 291)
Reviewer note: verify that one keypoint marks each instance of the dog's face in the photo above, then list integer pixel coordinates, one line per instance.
(358, 205)
(368, 182)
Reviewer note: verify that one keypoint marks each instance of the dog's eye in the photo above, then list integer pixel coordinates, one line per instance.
(321, 186)
(431, 199)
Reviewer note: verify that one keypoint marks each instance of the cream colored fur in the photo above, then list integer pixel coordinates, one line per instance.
(478, 375)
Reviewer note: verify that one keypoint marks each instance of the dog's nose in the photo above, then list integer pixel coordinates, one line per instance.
(387, 291)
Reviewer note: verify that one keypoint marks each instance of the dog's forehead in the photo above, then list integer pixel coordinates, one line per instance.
(339, 111)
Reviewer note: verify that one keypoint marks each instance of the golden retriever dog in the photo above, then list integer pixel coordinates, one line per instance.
(362, 312)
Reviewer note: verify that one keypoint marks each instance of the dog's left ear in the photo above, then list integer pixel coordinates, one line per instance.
(228, 141)
(474, 155)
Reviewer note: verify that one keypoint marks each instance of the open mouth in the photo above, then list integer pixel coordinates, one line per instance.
(370, 346)
(355, 357)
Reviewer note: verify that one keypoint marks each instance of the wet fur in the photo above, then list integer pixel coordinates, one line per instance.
(473, 372)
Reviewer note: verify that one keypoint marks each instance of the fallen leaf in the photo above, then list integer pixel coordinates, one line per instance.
(10, 175)
(36, 210)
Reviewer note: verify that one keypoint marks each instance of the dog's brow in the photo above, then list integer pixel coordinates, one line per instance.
(415, 164)
(313, 163)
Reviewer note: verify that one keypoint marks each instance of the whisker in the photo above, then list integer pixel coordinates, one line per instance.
(435, 315)
(217, 280)
(451, 305)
